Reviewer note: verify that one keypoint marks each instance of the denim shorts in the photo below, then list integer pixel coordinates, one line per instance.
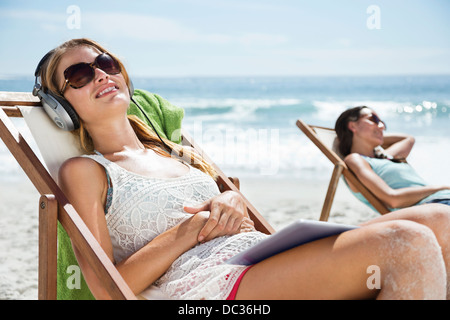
(443, 201)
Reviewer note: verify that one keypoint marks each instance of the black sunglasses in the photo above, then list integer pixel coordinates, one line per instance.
(80, 74)
(375, 119)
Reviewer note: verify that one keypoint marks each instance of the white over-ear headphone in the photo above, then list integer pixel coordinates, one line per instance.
(57, 108)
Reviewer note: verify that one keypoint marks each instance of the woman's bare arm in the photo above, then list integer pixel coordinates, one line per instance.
(84, 183)
(398, 145)
(394, 198)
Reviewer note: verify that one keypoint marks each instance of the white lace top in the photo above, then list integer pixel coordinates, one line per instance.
(143, 207)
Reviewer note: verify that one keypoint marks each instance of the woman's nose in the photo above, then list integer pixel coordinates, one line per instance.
(100, 75)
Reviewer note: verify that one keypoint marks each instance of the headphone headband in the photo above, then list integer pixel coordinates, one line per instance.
(42, 61)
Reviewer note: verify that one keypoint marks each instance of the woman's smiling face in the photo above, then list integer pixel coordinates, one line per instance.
(104, 93)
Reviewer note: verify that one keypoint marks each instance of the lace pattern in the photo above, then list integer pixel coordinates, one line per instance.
(142, 208)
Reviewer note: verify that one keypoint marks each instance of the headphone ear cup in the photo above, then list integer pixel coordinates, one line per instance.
(70, 112)
(60, 111)
(57, 108)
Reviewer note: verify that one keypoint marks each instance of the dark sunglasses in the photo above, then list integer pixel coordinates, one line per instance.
(80, 74)
(375, 119)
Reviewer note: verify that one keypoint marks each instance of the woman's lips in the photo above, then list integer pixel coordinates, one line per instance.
(105, 91)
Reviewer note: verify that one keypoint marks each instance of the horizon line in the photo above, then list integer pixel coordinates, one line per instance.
(6, 76)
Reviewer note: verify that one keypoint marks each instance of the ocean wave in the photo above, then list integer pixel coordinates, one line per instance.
(250, 152)
(234, 109)
(323, 109)
(332, 109)
(405, 115)
(226, 103)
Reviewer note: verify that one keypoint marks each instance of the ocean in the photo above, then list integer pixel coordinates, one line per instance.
(247, 124)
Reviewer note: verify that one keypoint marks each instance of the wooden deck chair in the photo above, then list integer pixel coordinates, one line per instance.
(54, 206)
(325, 139)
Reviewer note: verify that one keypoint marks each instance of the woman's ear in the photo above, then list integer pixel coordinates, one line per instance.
(351, 126)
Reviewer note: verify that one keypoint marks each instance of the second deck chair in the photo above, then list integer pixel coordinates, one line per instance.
(54, 207)
(325, 139)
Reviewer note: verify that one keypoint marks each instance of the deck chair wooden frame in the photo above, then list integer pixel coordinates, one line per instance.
(54, 206)
(340, 168)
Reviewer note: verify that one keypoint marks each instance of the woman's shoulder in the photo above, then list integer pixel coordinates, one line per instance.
(80, 167)
(353, 158)
(79, 162)
(356, 161)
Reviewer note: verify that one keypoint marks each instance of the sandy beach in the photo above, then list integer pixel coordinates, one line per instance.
(279, 200)
(18, 240)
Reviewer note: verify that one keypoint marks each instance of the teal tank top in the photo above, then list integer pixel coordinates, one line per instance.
(399, 175)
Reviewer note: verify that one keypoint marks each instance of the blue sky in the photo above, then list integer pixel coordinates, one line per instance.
(237, 37)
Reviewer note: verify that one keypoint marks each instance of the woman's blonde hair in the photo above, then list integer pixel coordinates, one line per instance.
(144, 133)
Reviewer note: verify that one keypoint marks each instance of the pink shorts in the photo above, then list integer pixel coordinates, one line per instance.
(233, 292)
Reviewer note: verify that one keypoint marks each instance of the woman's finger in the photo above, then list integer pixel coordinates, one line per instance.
(214, 217)
(196, 209)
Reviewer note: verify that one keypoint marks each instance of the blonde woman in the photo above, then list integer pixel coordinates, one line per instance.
(167, 226)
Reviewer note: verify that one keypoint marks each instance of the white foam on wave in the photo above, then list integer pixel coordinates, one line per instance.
(287, 152)
(215, 109)
(328, 110)
(205, 103)
(387, 109)
(264, 151)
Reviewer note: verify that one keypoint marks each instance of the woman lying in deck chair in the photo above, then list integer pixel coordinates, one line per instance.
(385, 172)
(126, 190)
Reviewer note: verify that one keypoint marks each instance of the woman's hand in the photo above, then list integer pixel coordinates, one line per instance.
(398, 145)
(247, 225)
(227, 215)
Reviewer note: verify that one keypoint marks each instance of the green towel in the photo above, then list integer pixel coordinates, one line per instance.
(165, 117)
(167, 120)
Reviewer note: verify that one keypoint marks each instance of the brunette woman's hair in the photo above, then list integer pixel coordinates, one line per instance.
(344, 135)
(144, 133)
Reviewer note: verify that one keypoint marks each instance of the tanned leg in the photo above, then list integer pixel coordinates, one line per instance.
(434, 216)
(337, 267)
